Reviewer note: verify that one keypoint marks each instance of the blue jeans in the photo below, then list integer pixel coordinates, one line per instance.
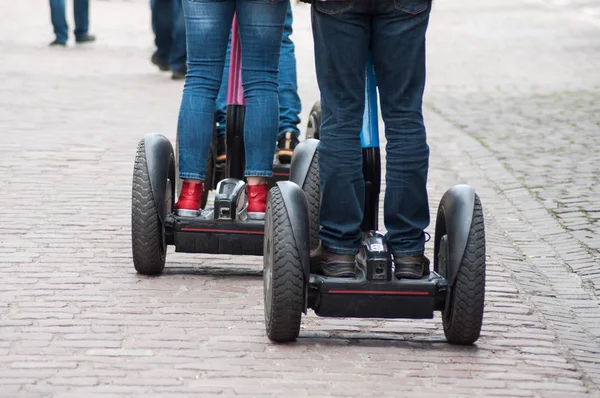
(168, 25)
(289, 101)
(208, 23)
(394, 31)
(59, 19)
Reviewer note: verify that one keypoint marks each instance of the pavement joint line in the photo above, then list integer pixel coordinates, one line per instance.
(480, 164)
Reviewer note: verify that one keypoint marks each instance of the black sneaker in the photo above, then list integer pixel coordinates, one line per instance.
(56, 42)
(85, 39)
(179, 74)
(414, 267)
(331, 264)
(162, 64)
(221, 148)
(285, 147)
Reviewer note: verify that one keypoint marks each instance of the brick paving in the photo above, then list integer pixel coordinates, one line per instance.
(511, 107)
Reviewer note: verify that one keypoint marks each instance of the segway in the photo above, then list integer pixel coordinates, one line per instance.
(234, 127)
(225, 228)
(455, 286)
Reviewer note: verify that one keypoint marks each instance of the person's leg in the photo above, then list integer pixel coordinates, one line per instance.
(177, 58)
(81, 12)
(207, 26)
(289, 101)
(59, 21)
(261, 30)
(399, 59)
(341, 32)
(162, 21)
(151, 9)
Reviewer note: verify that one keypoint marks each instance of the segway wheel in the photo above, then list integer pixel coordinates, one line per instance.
(147, 231)
(312, 191)
(283, 274)
(463, 315)
(313, 127)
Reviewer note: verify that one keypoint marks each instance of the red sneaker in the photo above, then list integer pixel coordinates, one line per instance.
(190, 199)
(257, 200)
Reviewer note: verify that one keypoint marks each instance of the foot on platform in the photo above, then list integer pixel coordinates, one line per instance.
(331, 264)
(257, 201)
(190, 199)
(411, 267)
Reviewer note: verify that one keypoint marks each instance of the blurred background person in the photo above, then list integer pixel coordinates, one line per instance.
(168, 24)
(61, 28)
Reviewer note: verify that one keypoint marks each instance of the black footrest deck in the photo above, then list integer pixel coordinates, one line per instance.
(359, 298)
(206, 235)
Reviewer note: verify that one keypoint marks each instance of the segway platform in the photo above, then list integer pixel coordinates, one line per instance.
(358, 298)
(204, 234)
(375, 292)
(224, 229)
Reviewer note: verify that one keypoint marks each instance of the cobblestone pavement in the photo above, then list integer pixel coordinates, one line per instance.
(511, 107)
(537, 111)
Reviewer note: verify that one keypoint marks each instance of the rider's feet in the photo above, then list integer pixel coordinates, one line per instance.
(285, 147)
(411, 267)
(190, 199)
(257, 200)
(331, 264)
(221, 148)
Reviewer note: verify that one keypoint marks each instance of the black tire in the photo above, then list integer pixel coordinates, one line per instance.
(312, 191)
(313, 128)
(148, 241)
(283, 274)
(463, 315)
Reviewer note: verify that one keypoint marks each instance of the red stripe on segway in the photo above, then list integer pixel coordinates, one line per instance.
(281, 174)
(223, 231)
(382, 292)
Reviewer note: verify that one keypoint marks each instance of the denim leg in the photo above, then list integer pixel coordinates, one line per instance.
(261, 30)
(177, 59)
(59, 20)
(341, 50)
(153, 24)
(399, 59)
(221, 111)
(162, 21)
(289, 101)
(81, 11)
(207, 26)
